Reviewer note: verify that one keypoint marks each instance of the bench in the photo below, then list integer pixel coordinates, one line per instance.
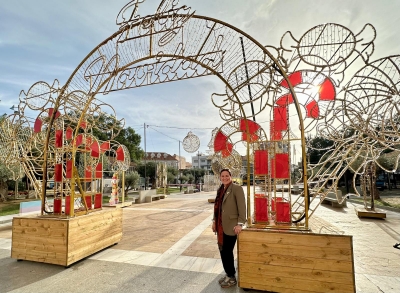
(144, 194)
(135, 199)
(150, 198)
(332, 199)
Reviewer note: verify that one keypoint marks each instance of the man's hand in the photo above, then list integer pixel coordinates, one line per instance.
(237, 229)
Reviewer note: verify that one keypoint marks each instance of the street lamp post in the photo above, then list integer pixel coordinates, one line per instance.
(179, 167)
(145, 158)
(16, 111)
(198, 158)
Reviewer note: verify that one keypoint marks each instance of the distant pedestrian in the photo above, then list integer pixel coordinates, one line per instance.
(229, 218)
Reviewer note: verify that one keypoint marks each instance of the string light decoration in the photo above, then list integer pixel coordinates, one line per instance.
(191, 143)
(74, 155)
(300, 87)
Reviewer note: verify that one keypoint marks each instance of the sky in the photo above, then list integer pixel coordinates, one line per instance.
(43, 40)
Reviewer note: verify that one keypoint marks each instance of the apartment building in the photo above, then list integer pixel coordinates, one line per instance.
(201, 161)
(161, 157)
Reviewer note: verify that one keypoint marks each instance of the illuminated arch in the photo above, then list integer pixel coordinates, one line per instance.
(214, 48)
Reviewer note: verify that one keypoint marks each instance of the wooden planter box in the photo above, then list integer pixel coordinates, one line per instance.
(65, 241)
(295, 262)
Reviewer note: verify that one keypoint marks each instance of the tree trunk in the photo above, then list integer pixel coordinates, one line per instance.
(377, 195)
(3, 191)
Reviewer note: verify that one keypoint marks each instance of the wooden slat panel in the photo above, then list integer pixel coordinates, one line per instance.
(40, 231)
(265, 270)
(87, 236)
(310, 251)
(101, 224)
(298, 239)
(102, 227)
(288, 285)
(40, 256)
(54, 261)
(95, 217)
(39, 239)
(270, 287)
(295, 262)
(65, 241)
(40, 253)
(40, 222)
(60, 248)
(87, 250)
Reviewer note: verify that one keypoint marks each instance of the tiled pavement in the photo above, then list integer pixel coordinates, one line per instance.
(168, 246)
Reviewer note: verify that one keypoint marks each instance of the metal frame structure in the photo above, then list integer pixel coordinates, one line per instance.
(274, 98)
(75, 156)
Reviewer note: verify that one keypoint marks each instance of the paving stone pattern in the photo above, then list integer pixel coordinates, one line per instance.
(168, 246)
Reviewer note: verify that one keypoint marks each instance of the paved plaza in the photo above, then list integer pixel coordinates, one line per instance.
(168, 246)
